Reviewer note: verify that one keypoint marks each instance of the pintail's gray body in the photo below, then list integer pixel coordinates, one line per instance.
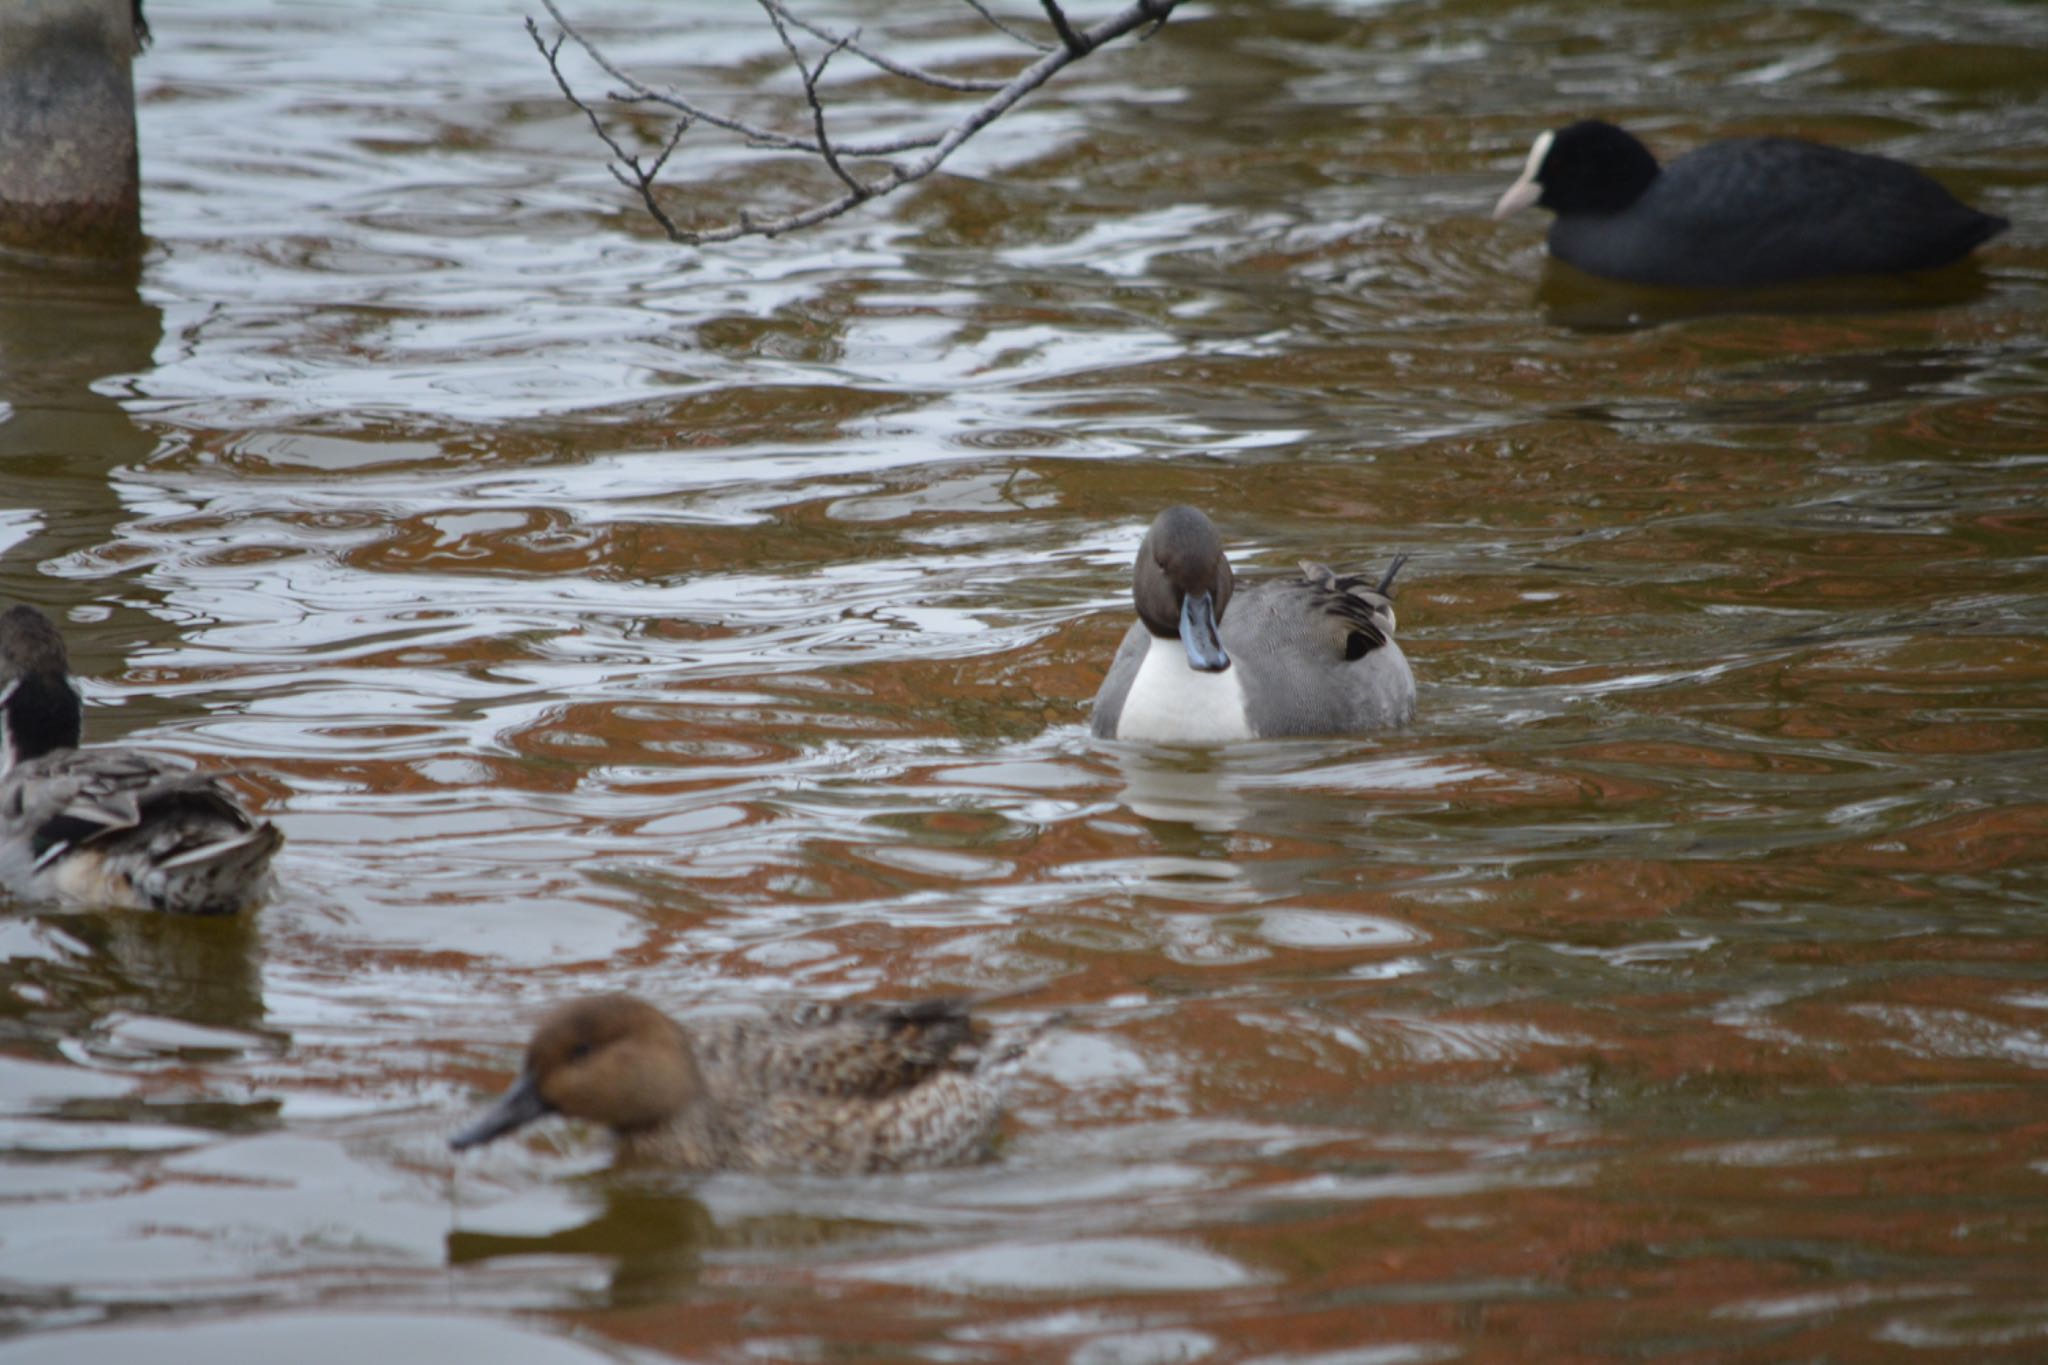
(109, 826)
(1207, 662)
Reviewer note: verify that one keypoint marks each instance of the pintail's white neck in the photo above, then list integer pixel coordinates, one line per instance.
(10, 752)
(1171, 703)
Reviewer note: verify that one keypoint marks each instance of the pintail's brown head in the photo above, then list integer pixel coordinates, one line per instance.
(1181, 585)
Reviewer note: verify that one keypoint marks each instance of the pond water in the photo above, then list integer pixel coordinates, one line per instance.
(595, 613)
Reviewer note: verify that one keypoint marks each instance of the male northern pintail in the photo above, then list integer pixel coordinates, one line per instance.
(1738, 213)
(828, 1088)
(1206, 662)
(109, 826)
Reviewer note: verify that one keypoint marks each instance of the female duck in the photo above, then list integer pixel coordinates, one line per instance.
(1738, 213)
(1206, 663)
(108, 826)
(832, 1089)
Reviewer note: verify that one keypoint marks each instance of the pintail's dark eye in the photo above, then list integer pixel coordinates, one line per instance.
(579, 1052)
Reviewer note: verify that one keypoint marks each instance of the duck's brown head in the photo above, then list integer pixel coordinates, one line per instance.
(612, 1059)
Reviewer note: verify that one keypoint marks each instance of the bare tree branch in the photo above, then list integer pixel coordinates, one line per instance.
(639, 92)
(1074, 45)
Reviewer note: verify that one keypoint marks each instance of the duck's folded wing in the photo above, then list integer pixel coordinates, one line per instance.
(1351, 605)
(841, 1050)
(81, 797)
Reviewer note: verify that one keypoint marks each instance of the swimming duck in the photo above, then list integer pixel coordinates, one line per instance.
(108, 826)
(1738, 213)
(1206, 662)
(828, 1088)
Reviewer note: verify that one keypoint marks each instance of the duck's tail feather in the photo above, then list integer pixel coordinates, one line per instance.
(251, 847)
(1003, 1062)
(220, 875)
(938, 1007)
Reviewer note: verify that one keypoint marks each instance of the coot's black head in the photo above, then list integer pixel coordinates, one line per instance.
(1584, 167)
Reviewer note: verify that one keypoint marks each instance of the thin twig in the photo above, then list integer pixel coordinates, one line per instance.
(811, 76)
(1003, 26)
(642, 181)
(760, 137)
(965, 85)
(639, 92)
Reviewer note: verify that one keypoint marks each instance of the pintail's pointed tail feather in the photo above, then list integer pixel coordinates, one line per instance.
(251, 847)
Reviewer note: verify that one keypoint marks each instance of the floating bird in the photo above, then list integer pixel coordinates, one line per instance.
(1738, 213)
(827, 1088)
(109, 826)
(1206, 663)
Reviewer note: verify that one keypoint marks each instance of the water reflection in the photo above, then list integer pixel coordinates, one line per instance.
(1569, 297)
(317, 1338)
(1181, 787)
(69, 333)
(714, 625)
(652, 1239)
(72, 970)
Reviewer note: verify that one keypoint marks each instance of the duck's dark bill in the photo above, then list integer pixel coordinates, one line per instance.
(1198, 634)
(516, 1108)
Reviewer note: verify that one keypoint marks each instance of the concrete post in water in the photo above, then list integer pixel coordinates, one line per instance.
(68, 176)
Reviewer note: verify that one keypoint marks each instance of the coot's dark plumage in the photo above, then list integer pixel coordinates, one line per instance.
(1738, 213)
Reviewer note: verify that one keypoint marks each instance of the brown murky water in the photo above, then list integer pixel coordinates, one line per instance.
(595, 613)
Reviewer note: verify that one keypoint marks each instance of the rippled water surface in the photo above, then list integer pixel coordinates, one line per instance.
(595, 613)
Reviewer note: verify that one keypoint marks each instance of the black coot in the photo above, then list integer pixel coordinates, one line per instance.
(1741, 212)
